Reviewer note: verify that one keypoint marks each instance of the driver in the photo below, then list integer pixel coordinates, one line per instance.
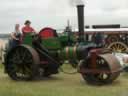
(27, 28)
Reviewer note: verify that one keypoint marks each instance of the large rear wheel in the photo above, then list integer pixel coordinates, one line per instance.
(22, 63)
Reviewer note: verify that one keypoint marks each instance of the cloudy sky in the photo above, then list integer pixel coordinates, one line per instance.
(55, 13)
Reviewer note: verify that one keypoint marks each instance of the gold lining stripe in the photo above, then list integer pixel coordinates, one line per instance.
(74, 51)
(67, 51)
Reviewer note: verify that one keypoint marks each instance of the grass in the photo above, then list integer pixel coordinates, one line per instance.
(61, 85)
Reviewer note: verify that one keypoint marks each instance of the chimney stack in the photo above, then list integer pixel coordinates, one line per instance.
(80, 12)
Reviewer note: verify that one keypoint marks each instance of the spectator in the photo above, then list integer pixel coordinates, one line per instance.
(99, 39)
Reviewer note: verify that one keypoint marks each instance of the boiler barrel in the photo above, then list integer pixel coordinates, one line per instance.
(75, 52)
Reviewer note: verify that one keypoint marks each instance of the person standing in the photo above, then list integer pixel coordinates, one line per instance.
(27, 28)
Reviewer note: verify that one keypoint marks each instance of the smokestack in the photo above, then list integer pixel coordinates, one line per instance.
(80, 12)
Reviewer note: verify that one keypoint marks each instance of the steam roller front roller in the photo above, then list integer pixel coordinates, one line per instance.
(22, 63)
(106, 70)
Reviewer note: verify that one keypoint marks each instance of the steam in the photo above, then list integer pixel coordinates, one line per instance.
(77, 2)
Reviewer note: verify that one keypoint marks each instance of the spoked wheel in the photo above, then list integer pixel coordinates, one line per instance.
(118, 47)
(106, 64)
(22, 63)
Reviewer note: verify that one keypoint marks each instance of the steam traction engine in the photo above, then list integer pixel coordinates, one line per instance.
(44, 53)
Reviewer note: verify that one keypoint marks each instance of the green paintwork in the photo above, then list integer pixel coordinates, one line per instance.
(51, 43)
(28, 39)
(64, 39)
(67, 53)
(58, 45)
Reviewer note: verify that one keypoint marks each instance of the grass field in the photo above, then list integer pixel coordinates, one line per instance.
(61, 85)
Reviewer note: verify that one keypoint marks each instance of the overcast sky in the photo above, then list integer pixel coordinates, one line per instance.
(55, 13)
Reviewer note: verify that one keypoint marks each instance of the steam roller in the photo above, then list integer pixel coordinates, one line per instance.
(97, 66)
(42, 54)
